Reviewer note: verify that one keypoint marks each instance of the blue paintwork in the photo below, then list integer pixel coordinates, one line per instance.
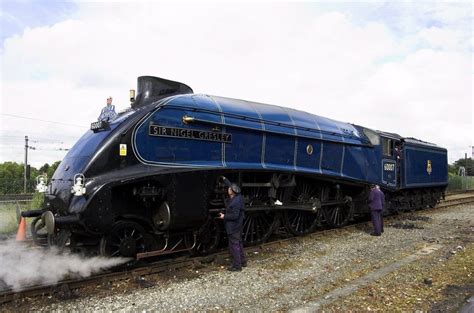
(263, 137)
(81, 153)
(415, 165)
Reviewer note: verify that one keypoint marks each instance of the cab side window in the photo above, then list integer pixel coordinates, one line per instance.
(387, 147)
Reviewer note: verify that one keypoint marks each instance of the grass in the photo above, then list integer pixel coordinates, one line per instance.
(404, 290)
(8, 221)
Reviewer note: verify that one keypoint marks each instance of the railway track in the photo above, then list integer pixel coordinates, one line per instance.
(183, 262)
(454, 202)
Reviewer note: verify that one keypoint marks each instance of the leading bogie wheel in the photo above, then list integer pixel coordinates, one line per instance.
(126, 239)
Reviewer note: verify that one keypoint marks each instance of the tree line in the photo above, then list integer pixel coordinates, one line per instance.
(468, 164)
(12, 176)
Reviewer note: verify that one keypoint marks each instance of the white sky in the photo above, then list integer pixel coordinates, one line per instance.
(400, 67)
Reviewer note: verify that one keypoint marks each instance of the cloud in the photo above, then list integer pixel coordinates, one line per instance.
(445, 39)
(422, 96)
(322, 61)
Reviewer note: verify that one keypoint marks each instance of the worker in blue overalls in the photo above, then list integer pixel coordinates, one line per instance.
(233, 219)
(376, 205)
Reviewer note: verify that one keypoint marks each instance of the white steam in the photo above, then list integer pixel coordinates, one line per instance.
(22, 266)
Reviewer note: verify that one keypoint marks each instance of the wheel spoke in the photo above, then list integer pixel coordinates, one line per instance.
(257, 227)
(125, 239)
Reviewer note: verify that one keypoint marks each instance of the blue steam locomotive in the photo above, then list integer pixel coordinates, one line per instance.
(151, 181)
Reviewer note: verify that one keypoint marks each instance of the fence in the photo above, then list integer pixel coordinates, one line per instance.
(15, 186)
(458, 183)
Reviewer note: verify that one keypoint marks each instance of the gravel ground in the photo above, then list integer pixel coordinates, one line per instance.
(288, 276)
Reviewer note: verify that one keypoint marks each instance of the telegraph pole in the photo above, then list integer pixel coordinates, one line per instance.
(26, 164)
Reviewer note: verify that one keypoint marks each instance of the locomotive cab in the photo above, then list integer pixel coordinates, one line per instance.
(391, 149)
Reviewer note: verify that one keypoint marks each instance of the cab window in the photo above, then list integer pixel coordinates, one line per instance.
(387, 147)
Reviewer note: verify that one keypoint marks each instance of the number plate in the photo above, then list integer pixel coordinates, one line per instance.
(99, 126)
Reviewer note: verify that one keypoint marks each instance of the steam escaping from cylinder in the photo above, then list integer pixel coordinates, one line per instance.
(23, 266)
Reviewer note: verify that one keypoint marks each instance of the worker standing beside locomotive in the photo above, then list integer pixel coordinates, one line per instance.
(376, 204)
(233, 219)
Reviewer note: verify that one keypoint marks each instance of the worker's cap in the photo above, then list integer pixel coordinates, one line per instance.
(109, 98)
(235, 188)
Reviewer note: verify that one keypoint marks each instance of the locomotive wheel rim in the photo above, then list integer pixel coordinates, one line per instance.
(257, 227)
(337, 216)
(300, 222)
(126, 239)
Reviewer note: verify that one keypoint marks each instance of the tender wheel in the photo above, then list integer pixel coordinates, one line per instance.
(126, 239)
(258, 226)
(337, 216)
(300, 222)
(208, 238)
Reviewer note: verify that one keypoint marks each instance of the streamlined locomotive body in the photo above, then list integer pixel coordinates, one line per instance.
(151, 181)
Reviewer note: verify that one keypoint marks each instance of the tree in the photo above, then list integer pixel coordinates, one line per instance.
(468, 164)
(53, 168)
(48, 169)
(11, 176)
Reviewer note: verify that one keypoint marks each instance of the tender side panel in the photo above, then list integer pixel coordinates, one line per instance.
(424, 166)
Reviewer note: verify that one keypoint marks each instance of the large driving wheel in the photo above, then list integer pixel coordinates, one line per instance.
(126, 239)
(302, 222)
(338, 215)
(258, 226)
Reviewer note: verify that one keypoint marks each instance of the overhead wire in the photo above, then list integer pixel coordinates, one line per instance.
(40, 120)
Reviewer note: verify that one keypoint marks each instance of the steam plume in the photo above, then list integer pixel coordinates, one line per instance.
(22, 266)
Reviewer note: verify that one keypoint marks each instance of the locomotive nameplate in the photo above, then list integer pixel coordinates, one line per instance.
(174, 132)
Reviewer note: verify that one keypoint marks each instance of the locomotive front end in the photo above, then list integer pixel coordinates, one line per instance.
(76, 181)
(90, 192)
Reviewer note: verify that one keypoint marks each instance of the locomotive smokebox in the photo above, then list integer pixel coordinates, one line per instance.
(151, 89)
